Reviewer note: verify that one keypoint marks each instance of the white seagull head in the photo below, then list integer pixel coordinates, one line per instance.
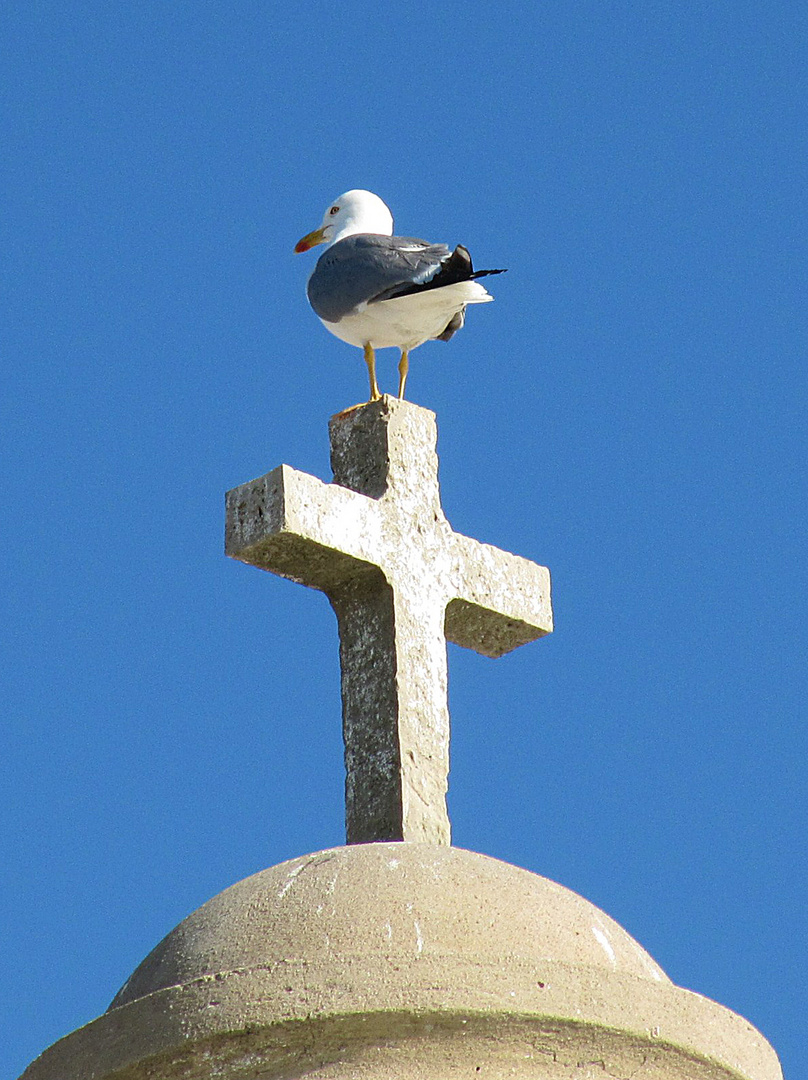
(356, 211)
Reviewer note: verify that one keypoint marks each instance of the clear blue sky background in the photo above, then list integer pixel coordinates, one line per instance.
(631, 412)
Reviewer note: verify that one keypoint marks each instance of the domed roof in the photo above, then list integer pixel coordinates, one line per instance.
(395, 901)
(400, 961)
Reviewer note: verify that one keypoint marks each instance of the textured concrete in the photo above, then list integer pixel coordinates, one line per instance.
(401, 582)
(405, 961)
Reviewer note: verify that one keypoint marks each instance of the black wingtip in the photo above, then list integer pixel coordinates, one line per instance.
(453, 270)
(458, 267)
(485, 273)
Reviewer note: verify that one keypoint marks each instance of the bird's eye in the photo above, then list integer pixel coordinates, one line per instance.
(334, 210)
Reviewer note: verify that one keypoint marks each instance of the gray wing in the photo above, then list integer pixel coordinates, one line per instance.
(367, 267)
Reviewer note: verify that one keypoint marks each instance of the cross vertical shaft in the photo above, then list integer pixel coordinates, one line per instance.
(396, 748)
(392, 644)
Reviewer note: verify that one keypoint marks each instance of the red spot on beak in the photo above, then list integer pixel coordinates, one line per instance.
(310, 240)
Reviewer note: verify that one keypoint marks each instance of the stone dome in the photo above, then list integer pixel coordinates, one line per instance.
(404, 960)
(384, 904)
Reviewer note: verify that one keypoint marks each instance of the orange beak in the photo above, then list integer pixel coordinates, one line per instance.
(310, 240)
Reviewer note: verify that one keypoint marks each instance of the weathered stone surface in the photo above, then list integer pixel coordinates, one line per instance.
(401, 582)
(405, 961)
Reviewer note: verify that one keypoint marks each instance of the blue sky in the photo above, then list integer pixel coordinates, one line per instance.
(630, 412)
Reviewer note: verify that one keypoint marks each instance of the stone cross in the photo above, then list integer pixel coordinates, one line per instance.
(402, 583)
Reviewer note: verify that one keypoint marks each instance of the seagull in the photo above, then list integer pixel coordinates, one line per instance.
(377, 291)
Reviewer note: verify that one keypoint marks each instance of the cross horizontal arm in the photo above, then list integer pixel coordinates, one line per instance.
(502, 601)
(295, 525)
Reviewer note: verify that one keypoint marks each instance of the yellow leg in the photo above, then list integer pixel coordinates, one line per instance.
(370, 360)
(403, 368)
